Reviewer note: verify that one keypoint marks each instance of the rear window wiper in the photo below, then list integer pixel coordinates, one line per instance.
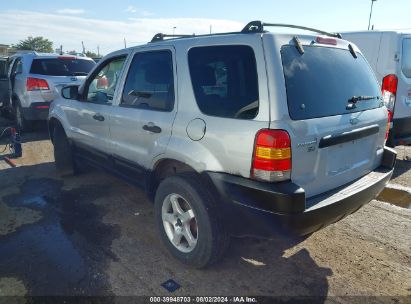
(353, 100)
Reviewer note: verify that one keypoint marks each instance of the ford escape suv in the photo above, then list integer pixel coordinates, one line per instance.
(35, 80)
(232, 134)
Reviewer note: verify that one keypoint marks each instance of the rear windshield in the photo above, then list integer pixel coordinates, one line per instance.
(321, 81)
(406, 57)
(61, 67)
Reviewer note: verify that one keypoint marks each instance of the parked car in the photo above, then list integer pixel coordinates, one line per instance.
(35, 80)
(4, 85)
(231, 134)
(389, 54)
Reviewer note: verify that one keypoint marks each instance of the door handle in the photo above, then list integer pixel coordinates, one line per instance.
(98, 117)
(151, 127)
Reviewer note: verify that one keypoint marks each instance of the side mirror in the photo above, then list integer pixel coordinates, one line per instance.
(70, 92)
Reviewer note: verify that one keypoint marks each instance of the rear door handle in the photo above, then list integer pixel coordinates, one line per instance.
(151, 127)
(98, 117)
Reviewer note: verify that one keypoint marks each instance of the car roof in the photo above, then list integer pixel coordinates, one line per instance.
(34, 54)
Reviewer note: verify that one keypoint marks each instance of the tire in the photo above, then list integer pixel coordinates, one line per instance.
(22, 124)
(63, 155)
(206, 226)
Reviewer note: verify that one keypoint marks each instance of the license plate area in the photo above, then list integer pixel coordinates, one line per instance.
(349, 155)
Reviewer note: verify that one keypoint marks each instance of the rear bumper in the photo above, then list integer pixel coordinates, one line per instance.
(264, 209)
(37, 111)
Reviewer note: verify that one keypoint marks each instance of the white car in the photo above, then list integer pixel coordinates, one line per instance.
(389, 54)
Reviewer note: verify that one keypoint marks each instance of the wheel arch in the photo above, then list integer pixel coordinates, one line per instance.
(167, 167)
(52, 124)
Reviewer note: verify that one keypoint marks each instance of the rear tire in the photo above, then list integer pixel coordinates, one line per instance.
(63, 155)
(22, 124)
(207, 239)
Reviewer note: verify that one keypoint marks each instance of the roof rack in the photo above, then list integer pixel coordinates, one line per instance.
(161, 36)
(258, 27)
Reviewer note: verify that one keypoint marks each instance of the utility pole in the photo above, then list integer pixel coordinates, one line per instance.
(61, 49)
(369, 19)
(84, 49)
(125, 43)
(98, 51)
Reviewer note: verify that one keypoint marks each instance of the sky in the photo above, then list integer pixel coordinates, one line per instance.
(106, 24)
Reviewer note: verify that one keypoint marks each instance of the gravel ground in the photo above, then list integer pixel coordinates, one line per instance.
(94, 235)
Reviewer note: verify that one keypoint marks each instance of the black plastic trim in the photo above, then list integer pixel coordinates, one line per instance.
(283, 197)
(264, 209)
(346, 137)
(32, 113)
(402, 130)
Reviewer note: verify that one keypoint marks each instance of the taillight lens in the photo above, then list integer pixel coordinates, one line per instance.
(35, 84)
(389, 91)
(330, 41)
(272, 156)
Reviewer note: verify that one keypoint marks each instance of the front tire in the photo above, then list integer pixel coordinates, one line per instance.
(63, 155)
(188, 221)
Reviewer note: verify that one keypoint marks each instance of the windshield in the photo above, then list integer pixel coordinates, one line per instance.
(322, 81)
(61, 67)
(406, 57)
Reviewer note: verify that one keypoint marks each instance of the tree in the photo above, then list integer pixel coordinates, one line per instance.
(91, 54)
(38, 44)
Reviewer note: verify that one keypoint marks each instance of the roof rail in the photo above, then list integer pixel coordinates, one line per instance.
(258, 27)
(161, 36)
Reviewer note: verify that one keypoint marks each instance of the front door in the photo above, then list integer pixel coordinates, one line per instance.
(90, 118)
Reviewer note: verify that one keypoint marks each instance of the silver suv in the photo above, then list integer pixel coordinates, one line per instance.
(232, 134)
(35, 80)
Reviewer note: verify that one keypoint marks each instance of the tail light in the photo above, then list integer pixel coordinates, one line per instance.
(35, 84)
(272, 156)
(330, 41)
(389, 92)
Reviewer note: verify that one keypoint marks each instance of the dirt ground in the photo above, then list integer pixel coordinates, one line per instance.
(94, 234)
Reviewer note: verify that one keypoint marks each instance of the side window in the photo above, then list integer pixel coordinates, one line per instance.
(17, 67)
(150, 84)
(101, 89)
(225, 81)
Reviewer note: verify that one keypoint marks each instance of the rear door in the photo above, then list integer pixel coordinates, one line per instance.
(141, 123)
(335, 138)
(402, 115)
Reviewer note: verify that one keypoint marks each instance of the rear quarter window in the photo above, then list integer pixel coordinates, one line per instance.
(320, 82)
(61, 67)
(225, 81)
